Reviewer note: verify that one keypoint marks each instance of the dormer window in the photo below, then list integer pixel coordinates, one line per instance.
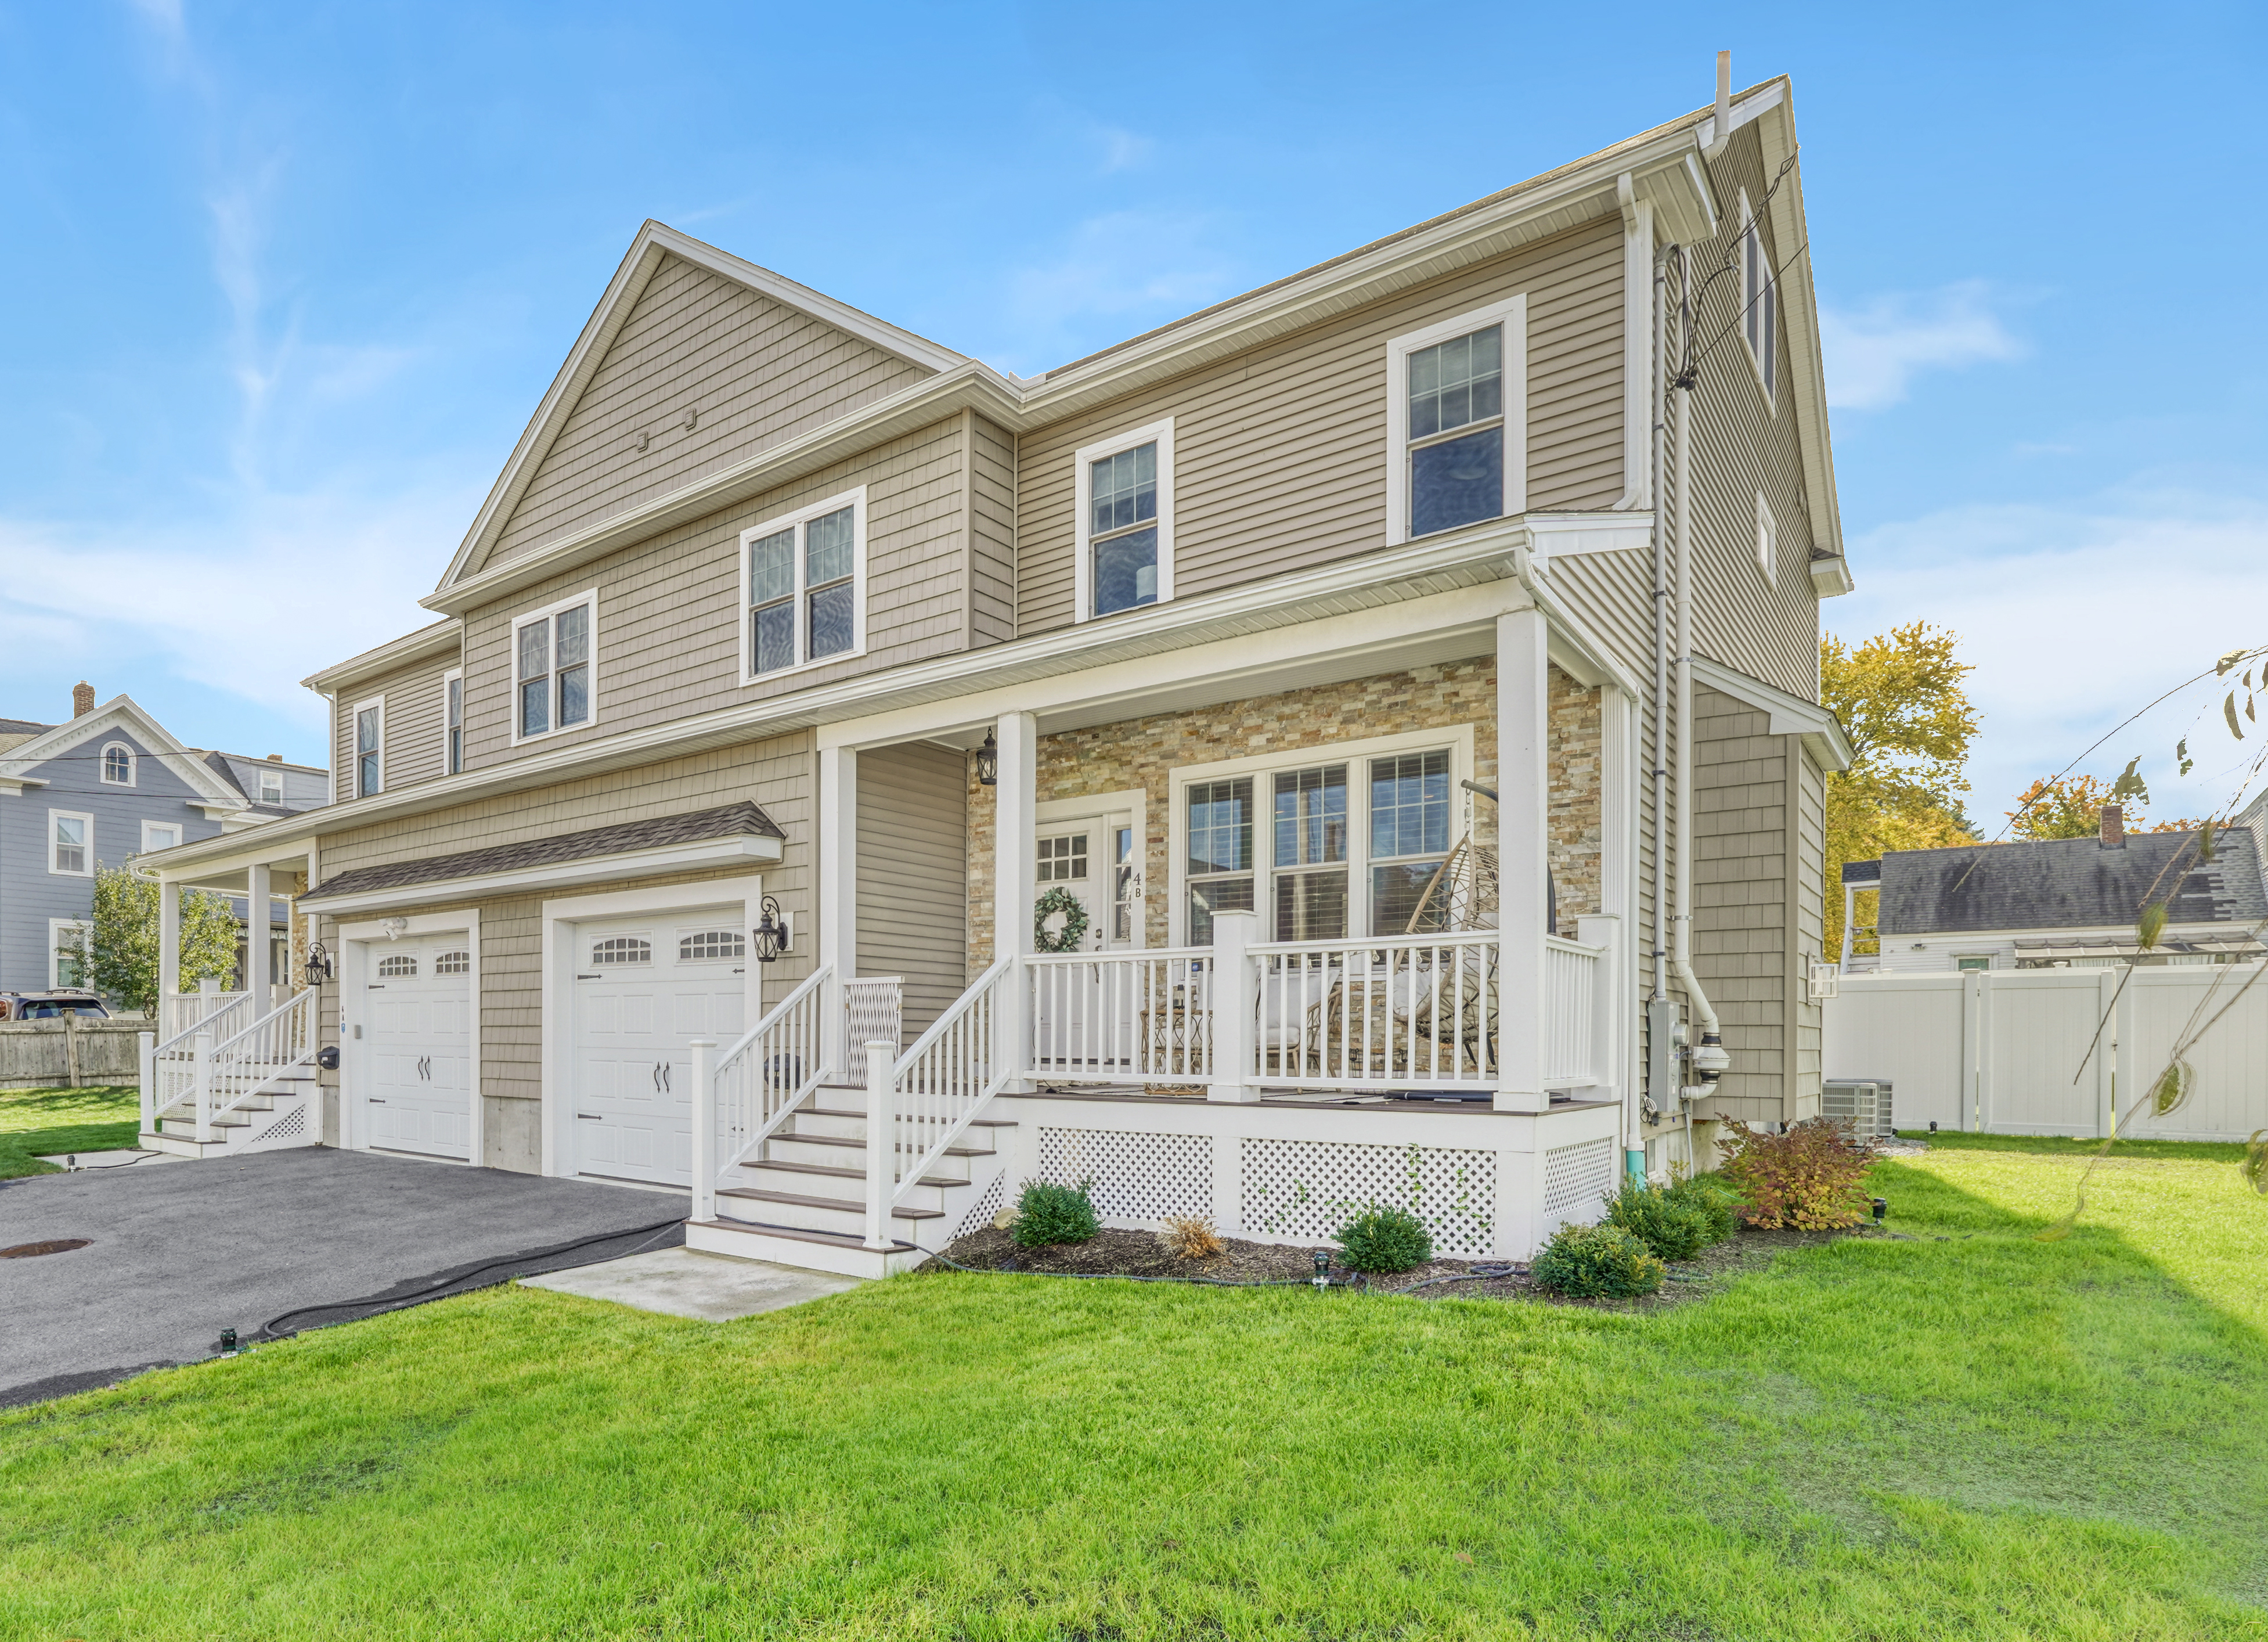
(1125, 499)
(118, 765)
(1457, 394)
(271, 789)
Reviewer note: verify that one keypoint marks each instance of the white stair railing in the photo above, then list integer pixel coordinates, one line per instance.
(920, 1105)
(244, 1065)
(183, 1014)
(751, 1089)
(1571, 1046)
(1123, 1017)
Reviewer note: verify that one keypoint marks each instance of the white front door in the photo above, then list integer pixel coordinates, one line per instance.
(1096, 860)
(644, 988)
(417, 1004)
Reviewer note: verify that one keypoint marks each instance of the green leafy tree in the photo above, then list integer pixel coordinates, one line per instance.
(2070, 806)
(1903, 699)
(117, 952)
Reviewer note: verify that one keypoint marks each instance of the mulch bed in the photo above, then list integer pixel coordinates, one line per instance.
(1140, 1255)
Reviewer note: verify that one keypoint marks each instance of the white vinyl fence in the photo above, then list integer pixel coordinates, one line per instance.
(2008, 1052)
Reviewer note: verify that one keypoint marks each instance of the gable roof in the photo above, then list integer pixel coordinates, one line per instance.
(2071, 883)
(118, 713)
(655, 242)
(1666, 166)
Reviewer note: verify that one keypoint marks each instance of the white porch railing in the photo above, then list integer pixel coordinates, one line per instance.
(224, 1014)
(1571, 1050)
(920, 1105)
(213, 1075)
(757, 1084)
(1403, 1012)
(1122, 1016)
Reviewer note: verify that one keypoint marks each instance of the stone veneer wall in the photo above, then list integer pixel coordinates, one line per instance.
(1143, 753)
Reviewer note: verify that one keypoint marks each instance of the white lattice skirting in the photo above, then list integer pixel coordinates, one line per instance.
(1576, 1177)
(987, 1205)
(293, 1124)
(1307, 1189)
(1137, 1177)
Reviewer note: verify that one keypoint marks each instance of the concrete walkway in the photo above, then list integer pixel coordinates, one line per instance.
(175, 1255)
(687, 1283)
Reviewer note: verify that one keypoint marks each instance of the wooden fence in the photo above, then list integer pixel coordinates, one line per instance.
(69, 1053)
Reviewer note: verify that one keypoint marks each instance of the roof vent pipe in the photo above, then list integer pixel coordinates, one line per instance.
(1721, 132)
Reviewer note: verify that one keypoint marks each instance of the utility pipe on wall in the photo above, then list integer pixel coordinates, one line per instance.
(1658, 767)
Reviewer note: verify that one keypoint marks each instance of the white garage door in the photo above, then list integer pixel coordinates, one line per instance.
(645, 988)
(417, 1015)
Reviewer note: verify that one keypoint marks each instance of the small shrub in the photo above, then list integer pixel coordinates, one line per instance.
(1806, 1178)
(1047, 1214)
(1671, 1228)
(1714, 1197)
(1191, 1237)
(1384, 1239)
(1596, 1262)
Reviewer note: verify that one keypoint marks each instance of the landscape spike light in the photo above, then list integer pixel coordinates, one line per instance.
(1323, 1268)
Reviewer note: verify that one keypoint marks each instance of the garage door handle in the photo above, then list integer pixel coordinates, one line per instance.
(376, 1100)
(586, 977)
(589, 1117)
(665, 1077)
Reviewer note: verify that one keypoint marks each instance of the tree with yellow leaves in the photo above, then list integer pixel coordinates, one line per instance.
(1903, 700)
(2070, 806)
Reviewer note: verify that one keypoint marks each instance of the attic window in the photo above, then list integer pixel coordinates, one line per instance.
(118, 765)
(1759, 300)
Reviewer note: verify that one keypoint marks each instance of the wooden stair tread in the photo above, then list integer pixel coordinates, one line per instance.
(801, 1234)
(757, 1195)
(837, 1111)
(860, 1145)
(836, 1171)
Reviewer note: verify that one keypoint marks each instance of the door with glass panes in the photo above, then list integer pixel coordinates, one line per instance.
(1092, 863)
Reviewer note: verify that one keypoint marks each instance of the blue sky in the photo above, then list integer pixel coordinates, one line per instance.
(287, 280)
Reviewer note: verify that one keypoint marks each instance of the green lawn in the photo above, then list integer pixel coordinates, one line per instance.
(33, 1121)
(1968, 1434)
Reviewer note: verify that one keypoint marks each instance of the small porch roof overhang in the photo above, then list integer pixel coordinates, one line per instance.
(732, 835)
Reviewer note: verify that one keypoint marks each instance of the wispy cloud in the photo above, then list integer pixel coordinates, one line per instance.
(1123, 150)
(1133, 268)
(2075, 617)
(1873, 353)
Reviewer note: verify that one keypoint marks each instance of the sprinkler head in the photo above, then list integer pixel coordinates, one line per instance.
(228, 1341)
(1323, 1268)
(1882, 1210)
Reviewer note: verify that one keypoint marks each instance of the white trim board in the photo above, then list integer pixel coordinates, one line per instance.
(560, 918)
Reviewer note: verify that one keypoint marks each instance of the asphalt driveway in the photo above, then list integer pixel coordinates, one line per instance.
(175, 1255)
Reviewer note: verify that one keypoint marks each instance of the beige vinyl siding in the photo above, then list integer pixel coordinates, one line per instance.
(670, 613)
(757, 372)
(1806, 888)
(912, 897)
(1279, 453)
(992, 548)
(1743, 444)
(777, 774)
(1741, 793)
(414, 726)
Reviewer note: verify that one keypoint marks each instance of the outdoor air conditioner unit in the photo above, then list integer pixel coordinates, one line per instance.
(1864, 1103)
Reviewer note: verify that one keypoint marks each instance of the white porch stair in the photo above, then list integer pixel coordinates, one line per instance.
(802, 1201)
(257, 1089)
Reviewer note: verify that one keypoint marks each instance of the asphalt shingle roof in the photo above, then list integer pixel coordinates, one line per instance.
(662, 830)
(2071, 883)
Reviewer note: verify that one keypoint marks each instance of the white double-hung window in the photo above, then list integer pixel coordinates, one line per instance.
(1328, 845)
(70, 844)
(453, 723)
(1125, 497)
(803, 587)
(1456, 397)
(369, 749)
(1759, 300)
(552, 667)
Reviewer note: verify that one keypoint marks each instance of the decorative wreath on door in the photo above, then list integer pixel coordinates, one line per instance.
(1059, 922)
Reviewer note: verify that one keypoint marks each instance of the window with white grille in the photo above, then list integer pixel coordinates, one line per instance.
(401, 964)
(118, 764)
(622, 949)
(71, 841)
(712, 944)
(1063, 859)
(453, 963)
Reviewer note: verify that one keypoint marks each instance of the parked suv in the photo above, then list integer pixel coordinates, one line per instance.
(51, 1005)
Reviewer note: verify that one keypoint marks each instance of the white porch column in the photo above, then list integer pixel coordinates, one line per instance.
(169, 946)
(838, 888)
(1523, 861)
(257, 909)
(1015, 817)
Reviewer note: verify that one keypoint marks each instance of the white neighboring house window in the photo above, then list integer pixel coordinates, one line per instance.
(271, 787)
(118, 765)
(71, 947)
(552, 651)
(70, 844)
(803, 587)
(1767, 540)
(1456, 399)
(1759, 300)
(159, 836)
(369, 731)
(453, 723)
(1125, 497)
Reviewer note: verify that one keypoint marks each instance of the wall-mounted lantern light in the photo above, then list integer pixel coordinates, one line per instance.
(318, 964)
(988, 762)
(771, 933)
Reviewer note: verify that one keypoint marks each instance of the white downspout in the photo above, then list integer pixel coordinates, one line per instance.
(1658, 767)
(1707, 1034)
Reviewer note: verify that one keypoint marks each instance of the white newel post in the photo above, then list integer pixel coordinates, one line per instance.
(704, 1128)
(200, 1063)
(838, 895)
(882, 1142)
(1015, 820)
(149, 1061)
(1604, 932)
(257, 968)
(169, 946)
(1235, 1004)
(1523, 856)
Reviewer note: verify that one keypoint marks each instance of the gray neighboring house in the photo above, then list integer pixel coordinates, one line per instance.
(107, 785)
(2062, 903)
